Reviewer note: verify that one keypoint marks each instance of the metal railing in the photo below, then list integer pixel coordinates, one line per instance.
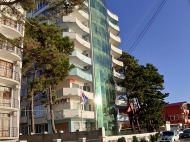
(8, 132)
(9, 73)
(14, 103)
(11, 23)
(11, 48)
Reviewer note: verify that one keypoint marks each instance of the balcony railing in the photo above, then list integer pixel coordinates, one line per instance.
(8, 132)
(9, 73)
(11, 23)
(11, 48)
(9, 103)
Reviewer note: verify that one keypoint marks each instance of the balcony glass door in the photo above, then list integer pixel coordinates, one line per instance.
(4, 125)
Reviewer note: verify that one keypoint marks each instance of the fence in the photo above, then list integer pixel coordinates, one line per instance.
(83, 136)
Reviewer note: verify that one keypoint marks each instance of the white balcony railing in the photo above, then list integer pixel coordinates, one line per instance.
(118, 75)
(72, 113)
(117, 62)
(120, 89)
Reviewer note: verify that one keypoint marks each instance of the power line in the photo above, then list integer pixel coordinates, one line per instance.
(139, 24)
(147, 27)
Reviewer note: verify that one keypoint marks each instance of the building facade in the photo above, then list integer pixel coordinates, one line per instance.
(177, 113)
(10, 77)
(95, 32)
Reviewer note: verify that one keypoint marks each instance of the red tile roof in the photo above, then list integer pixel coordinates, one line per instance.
(175, 104)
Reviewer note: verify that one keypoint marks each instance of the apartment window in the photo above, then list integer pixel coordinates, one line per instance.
(23, 112)
(41, 128)
(23, 92)
(90, 108)
(4, 124)
(39, 111)
(24, 129)
(5, 92)
(6, 69)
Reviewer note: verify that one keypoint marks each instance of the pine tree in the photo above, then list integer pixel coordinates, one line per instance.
(144, 87)
(45, 52)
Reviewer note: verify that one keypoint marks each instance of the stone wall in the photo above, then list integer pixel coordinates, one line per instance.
(71, 136)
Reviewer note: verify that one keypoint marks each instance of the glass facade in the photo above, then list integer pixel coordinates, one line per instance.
(104, 83)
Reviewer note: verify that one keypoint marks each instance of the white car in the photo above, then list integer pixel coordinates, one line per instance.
(169, 136)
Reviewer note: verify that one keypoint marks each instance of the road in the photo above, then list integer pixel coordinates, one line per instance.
(185, 140)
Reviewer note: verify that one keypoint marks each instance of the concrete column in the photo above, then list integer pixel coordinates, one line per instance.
(56, 140)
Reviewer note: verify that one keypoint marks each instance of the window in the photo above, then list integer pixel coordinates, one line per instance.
(23, 112)
(39, 111)
(41, 128)
(89, 107)
(6, 69)
(5, 92)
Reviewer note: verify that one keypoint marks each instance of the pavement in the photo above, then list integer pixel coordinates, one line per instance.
(185, 140)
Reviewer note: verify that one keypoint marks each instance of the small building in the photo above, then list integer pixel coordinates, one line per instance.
(177, 113)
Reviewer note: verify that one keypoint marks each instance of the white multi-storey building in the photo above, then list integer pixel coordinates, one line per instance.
(95, 32)
(10, 77)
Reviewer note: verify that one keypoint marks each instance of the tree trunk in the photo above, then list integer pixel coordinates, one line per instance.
(51, 111)
(131, 117)
(138, 125)
(32, 114)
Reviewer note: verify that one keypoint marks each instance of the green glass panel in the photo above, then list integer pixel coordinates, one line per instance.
(104, 83)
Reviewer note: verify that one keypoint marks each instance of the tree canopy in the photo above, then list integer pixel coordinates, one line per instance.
(144, 86)
(46, 59)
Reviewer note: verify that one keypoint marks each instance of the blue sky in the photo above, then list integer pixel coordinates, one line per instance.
(166, 44)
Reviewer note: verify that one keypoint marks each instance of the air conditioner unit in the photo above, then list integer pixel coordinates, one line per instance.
(17, 63)
(16, 87)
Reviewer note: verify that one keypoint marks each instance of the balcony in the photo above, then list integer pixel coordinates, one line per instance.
(79, 59)
(113, 16)
(9, 104)
(117, 63)
(8, 133)
(73, 92)
(72, 113)
(73, 23)
(11, 28)
(120, 103)
(82, 15)
(116, 52)
(122, 118)
(80, 42)
(8, 76)
(118, 77)
(120, 90)
(115, 40)
(10, 52)
(81, 75)
(114, 29)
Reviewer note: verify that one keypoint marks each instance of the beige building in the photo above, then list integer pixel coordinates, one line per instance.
(10, 78)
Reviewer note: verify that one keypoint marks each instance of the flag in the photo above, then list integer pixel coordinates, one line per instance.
(84, 98)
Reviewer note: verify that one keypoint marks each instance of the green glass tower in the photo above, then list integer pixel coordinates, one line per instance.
(102, 61)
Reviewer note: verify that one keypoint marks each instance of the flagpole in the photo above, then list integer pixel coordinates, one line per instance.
(81, 105)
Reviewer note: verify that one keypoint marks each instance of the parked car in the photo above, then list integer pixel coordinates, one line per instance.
(169, 136)
(180, 132)
(186, 132)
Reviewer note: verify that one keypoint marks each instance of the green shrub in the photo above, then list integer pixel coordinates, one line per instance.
(122, 139)
(157, 136)
(143, 140)
(135, 139)
(153, 138)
